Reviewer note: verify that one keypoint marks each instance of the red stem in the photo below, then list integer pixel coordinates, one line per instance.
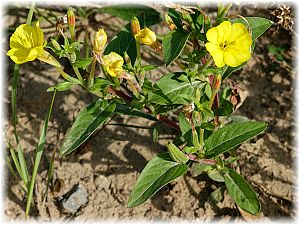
(161, 118)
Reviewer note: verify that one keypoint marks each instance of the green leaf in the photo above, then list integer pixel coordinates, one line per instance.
(176, 154)
(190, 150)
(241, 192)
(123, 42)
(63, 86)
(158, 172)
(237, 119)
(215, 175)
(225, 108)
(173, 44)
(217, 195)
(231, 136)
(258, 25)
(230, 70)
(99, 84)
(148, 67)
(155, 133)
(184, 124)
(175, 16)
(146, 15)
(82, 62)
(199, 168)
(174, 88)
(38, 155)
(88, 120)
(126, 110)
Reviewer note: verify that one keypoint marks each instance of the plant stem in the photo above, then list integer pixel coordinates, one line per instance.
(92, 73)
(30, 13)
(207, 64)
(78, 74)
(14, 97)
(215, 88)
(38, 156)
(138, 53)
(67, 76)
(133, 88)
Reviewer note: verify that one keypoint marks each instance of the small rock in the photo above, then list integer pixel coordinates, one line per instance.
(277, 79)
(74, 199)
(101, 182)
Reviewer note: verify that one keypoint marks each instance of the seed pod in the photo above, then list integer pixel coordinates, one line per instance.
(176, 154)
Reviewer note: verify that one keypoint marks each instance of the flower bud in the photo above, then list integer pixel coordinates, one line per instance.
(72, 57)
(71, 18)
(71, 23)
(170, 22)
(127, 58)
(100, 41)
(217, 81)
(146, 36)
(55, 44)
(135, 25)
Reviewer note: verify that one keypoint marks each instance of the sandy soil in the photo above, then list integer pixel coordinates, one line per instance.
(110, 162)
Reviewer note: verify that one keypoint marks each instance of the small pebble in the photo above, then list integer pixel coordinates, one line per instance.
(74, 199)
(102, 182)
(277, 79)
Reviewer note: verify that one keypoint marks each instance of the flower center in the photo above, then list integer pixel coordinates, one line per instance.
(226, 44)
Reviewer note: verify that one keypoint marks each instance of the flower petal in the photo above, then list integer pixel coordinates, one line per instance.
(235, 57)
(212, 35)
(113, 63)
(219, 59)
(146, 36)
(38, 36)
(19, 38)
(224, 31)
(19, 56)
(239, 33)
(212, 48)
(216, 52)
(34, 53)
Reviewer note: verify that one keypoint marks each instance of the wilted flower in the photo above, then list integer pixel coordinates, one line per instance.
(27, 43)
(229, 44)
(146, 36)
(113, 63)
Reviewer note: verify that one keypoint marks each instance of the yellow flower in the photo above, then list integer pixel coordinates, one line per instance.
(146, 36)
(100, 41)
(27, 43)
(229, 44)
(113, 63)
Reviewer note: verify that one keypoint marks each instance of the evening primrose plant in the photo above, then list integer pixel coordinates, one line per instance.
(199, 93)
